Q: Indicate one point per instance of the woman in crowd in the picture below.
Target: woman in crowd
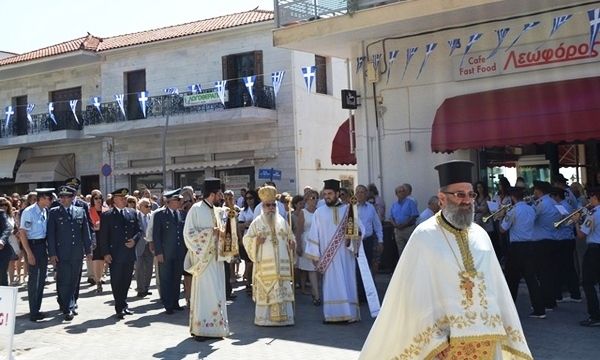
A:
(7, 225)
(377, 201)
(132, 202)
(305, 217)
(16, 265)
(97, 207)
(245, 218)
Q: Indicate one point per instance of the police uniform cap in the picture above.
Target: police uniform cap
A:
(120, 192)
(173, 194)
(44, 191)
(331, 184)
(455, 171)
(73, 182)
(66, 191)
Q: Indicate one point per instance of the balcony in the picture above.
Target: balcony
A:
(185, 111)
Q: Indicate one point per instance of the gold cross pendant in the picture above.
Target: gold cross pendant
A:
(466, 284)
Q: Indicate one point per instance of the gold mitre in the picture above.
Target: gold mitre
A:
(267, 193)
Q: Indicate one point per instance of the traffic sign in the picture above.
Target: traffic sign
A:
(269, 174)
(106, 170)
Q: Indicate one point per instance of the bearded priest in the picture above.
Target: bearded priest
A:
(269, 243)
(448, 298)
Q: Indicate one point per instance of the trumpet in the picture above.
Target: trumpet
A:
(568, 220)
(506, 208)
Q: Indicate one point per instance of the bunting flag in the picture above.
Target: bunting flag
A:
(454, 44)
(359, 63)
(220, 86)
(428, 50)
(594, 16)
(501, 34)
(410, 52)
(95, 100)
(376, 61)
(143, 99)
(277, 79)
(308, 73)
(51, 112)
(119, 98)
(9, 112)
(525, 29)
(171, 91)
(195, 88)
(249, 81)
(30, 108)
(556, 24)
(472, 40)
(73, 104)
(393, 56)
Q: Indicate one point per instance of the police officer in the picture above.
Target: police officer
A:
(590, 230)
(521, 251)
(119, 233)
(170, 249)
(32, 232)
(68, 241)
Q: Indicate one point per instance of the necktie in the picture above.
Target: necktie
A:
(69, 213)
(175, 216)
(43, 215)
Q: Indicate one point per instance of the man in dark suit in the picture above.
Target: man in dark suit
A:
(119, 233)
(68, 236)
(169, 249)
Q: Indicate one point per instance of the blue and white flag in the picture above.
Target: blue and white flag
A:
(393, 56)
(249, 81)
(359, 63)
(30, 108)
(525, 29)
(594, 16)
(143, 100)
(472, 40)
(454, 44)
(51, 112)
(220, 86)
(501, 34)
(309, 73)
(428, 50)
(277, 79)
(73, 104)
(172, 91)
(119, 98)
(558, 22)
(195, 88)
(95, 100)
(9, 112)
(410, 52)
(376, 61)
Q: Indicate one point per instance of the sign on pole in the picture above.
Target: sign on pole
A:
(270, 174)
(8, 309)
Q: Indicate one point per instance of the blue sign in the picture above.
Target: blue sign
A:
(276, 174)
(106, 170)
(269, 174)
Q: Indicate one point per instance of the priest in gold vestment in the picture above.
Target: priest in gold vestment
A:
(269, 241)
(448, 298)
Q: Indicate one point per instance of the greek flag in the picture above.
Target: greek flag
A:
(119, 98)
(594, 16)
(558, 22)
(376, 61)
(308, 73)
(30, 108)
(195, 88)
(9, 112)
(73, 104)
(501, 34)
(220, 86)
(172, 91)
(526, 28)
(472, 40)
(454, 44)
(95, 100)
(410, 52)
(249, 81)
(393, 56)
(51, 112)
(428, 50)
(359, 63)
(277, 79)
(143, 99)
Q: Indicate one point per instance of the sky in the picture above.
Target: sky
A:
(33, 24)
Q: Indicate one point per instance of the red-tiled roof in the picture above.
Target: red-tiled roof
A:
(96, 44)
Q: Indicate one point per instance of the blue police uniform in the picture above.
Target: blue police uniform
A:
(7, 251)
(116, 227)
(521, 251)
(567, 275)
(167, 235)
(34, 220)
(68, 239)
(591, 262)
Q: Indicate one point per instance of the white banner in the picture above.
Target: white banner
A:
(8, 309)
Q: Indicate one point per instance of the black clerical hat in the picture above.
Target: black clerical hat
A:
(211, 185)
(455, 171)
(331, 184)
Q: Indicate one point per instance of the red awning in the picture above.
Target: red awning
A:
(342, 148)
(563, 111)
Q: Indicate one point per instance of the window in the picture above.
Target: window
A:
(135, 82)
(194, 179)
(235, 179)
(152, 182)
(20, 114)
(321, 75)
(235, 67)
(62, 109)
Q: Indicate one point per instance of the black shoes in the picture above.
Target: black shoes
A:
(178, 308)
(37, 317)
(169, 311)
(127, 312)
(69, 316)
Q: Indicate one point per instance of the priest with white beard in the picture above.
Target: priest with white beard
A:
(202, 230)
(448, 298)
(269, 243)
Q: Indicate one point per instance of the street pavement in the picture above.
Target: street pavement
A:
(150, 333)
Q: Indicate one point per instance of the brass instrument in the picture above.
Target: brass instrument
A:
(568, 220)
(506, 208)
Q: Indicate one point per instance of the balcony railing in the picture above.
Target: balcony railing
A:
(295, 11)
(157, 106)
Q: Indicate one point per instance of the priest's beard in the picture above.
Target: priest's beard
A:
(460, 216)
(270, 220)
